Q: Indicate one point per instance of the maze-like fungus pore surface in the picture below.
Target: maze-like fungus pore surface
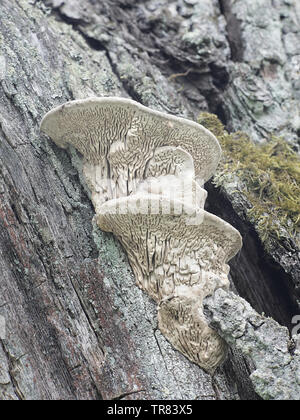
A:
(118, 137)
(178, 264)
(145, 170)
(170, 173)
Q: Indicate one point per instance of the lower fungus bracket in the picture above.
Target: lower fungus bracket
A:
(178, 264)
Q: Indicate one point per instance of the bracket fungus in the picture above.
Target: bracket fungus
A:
(118, 136)
(146, 170)
(178, 263)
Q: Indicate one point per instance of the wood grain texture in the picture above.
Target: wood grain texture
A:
(77, 326)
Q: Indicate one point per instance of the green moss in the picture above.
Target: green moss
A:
(268, 174)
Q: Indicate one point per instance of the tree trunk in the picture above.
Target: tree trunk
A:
(76, 325)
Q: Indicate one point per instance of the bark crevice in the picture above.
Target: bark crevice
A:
(234, 32)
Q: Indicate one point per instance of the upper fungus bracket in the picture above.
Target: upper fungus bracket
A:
(127, 133)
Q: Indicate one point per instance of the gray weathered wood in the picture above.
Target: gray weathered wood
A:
(77, 327)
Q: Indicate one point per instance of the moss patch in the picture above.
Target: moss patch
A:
(268, 174)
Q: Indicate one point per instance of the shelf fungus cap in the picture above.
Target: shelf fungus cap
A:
(177, 263)
(166, 248)
(127, 133)
(129, 216)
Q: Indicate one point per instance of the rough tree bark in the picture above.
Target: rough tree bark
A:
(77, 327)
